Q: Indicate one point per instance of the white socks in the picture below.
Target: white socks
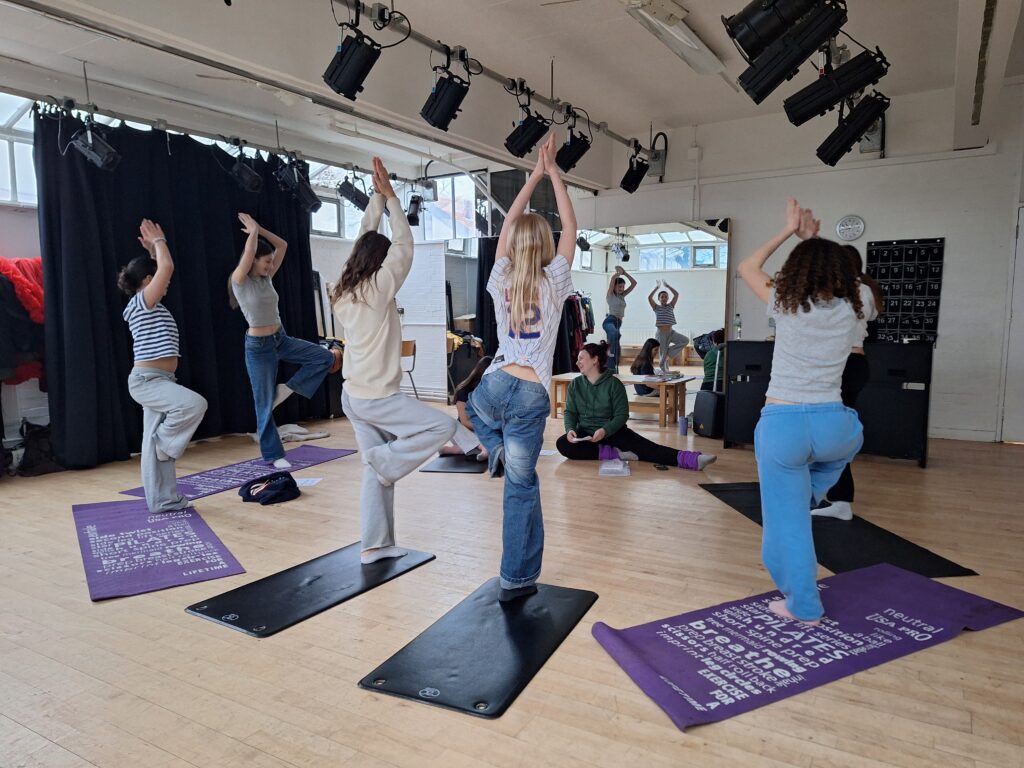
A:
(381, 553)
(282, 394)
(282, 464)
(840, 510)
(704, 459)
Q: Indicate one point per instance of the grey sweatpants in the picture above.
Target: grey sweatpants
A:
(671, 343)
(170, 415)
(395, 435)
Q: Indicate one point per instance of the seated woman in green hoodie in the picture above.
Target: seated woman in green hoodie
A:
(596, 411)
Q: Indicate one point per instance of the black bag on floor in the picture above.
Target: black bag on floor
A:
(38, 457)
(271, 489)
(709, 407)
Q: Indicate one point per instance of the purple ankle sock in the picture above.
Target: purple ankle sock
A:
(607, 452)
(687, 459)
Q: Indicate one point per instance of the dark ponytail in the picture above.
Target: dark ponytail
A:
(130, 278)
(600, 351)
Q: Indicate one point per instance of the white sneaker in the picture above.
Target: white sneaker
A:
(840, 510)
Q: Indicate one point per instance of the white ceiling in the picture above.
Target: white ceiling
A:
(604, 61)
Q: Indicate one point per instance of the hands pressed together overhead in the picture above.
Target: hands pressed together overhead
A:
(546, 158)
(801, 221)
(381, 179)
(149, 233)
(249, 225)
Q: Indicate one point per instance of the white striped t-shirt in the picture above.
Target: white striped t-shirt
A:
(533, 345)
(153, 330)
(664, 314)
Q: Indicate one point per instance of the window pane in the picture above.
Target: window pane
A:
(723, 256)
(9, 105)
(677, 257)
(704, 256)
(465, 207)
(325, 221)
(352, 219)
(585, 259)
(698, 235)
(652, 258)
(649, 239)
(5, 171)
(25, 173)
(437, 217)
(25, 123)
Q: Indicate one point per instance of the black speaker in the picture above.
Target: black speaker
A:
(748, 367)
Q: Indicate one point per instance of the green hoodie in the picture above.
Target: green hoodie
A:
(590, 407)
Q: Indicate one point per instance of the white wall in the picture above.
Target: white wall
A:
(968, 197)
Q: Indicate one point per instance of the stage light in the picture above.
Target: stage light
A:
(91, 144)
(762, 22)
(620, 250)
(445, 99)
(582, 243)
(246, 176)
(638, 168)
(826, 92)
(351, 64)
(852, 128)
(357, 197)
(525, 136)
(571, 151)
(292, 177)
(413, 214)
(781, 60)
(664, 19)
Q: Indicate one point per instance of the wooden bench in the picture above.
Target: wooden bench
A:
(671, 400)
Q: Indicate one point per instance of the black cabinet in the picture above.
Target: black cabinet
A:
(893, 406)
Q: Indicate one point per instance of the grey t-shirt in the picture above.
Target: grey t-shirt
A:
(811, 350)
(616, 305)
(258, 300)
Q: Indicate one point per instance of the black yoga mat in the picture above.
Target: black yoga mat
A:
(467, 465)
(481, 654)
(278, 601)
(846, 545)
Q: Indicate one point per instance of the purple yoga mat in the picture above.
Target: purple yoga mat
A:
(126, 550)
(708, 665)
(212, 481)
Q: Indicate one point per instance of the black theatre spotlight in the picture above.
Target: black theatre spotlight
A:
(638, 168)
(445, 99)
(352, 62)
(582, 243)
(525, 136)
(826, 92)
(357, 197)
(762, 22)
(292, 176)
(571, 151)
(781, 60)
(246, 176)
(413, 214)
(852, 128)
(620, 250)
(89, 142)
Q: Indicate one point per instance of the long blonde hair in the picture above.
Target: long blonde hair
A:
(531, 247)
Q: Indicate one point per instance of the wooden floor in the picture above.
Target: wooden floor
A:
(137, 682)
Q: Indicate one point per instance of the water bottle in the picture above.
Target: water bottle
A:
(684, 425)
(737, 326)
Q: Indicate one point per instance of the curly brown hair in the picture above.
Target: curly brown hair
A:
(817, 270)
(876, 290)
(368, 254)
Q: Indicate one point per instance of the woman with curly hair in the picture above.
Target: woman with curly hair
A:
(805, 436)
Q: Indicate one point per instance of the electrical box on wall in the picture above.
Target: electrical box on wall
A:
(656, 160)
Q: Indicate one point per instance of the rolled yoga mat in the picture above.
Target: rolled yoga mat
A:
(479, 656)
(845, 545)
(211, 481)
(464, 465)
(276, 602)
(127, 550)
(713, 663)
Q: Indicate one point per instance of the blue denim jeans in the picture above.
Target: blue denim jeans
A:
(262, 355)
(611, 326)
(801, 450)
(509, 416)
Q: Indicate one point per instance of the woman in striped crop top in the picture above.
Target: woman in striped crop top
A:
(670, 341)
(170, 412)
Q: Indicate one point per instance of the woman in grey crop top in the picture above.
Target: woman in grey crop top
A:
(251, 288)
(671, 342)
(617, 292)
(805, 435)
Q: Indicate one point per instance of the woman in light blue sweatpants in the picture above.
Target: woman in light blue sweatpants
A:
(805, 435)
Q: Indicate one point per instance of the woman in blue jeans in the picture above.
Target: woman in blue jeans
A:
(805, 435)
(509, 408)
(251, 288)
(618, 290)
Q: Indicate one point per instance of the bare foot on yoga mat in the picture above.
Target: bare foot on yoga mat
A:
(778, 607)
(368, 556)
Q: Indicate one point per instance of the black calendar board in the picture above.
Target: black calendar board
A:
(910, 274)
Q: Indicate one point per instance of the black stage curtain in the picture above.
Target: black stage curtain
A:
(88, 223)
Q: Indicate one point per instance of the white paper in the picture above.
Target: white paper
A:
(302, 482)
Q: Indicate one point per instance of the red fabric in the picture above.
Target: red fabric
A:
(32, 369)
(26, 275)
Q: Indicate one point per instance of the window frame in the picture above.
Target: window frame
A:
(13, 136)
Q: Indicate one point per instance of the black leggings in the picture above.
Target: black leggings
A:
(625, 440)
(855, 376)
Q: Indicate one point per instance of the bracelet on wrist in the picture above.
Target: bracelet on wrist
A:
(159, 240)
